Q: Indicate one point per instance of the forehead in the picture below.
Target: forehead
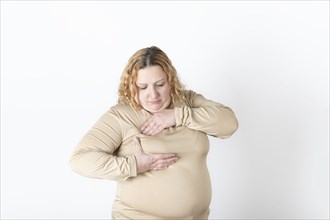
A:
(150, 74)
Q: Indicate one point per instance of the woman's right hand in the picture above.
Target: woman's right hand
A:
(146, 161)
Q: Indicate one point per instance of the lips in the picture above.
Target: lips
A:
(155, 102)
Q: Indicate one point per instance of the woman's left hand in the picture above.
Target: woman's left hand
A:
(158, 122)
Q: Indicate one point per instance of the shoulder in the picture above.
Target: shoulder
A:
(125, 113)
(120, 110)
(123, 108)
(191, 98)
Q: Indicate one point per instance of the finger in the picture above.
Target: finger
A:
(136, 140)
(169, 161)
(160, 168)
(144, 126)
(147, 123)
(137, 144)
(163, 156)
(152, 121)
(148, 131)
(164, 164)
(150, 128)
(156, 131)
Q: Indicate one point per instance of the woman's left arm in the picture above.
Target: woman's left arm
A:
(199, 114)
(207, 116)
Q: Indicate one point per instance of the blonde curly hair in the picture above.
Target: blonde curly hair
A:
(143, 58)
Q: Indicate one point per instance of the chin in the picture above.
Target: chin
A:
(154, 110)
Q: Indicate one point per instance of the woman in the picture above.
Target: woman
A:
(154, 143)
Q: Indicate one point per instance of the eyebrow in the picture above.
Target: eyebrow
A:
(147, 83)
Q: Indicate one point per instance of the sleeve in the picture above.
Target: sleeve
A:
(95, 157)
(207, 116)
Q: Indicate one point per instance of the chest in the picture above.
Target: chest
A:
(179, 140)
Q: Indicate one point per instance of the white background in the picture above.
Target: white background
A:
(269, 61)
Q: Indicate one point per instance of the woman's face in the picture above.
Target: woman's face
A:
(154, 91)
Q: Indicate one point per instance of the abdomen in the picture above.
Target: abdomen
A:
(181, 191)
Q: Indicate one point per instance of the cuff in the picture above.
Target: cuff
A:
(132, 167)
(177, 115)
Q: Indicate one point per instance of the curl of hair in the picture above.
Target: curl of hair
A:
(143, 58)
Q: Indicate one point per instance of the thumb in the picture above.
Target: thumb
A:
(138, 147)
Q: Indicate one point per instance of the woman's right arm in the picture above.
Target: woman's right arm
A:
(94, 155)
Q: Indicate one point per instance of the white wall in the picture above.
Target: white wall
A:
(269, 61)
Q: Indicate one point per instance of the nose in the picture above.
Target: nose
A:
(153, 93)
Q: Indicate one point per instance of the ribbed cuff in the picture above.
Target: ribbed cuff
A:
(132, 166)
(177, 115)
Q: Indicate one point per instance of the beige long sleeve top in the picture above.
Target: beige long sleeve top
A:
(182, 191)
